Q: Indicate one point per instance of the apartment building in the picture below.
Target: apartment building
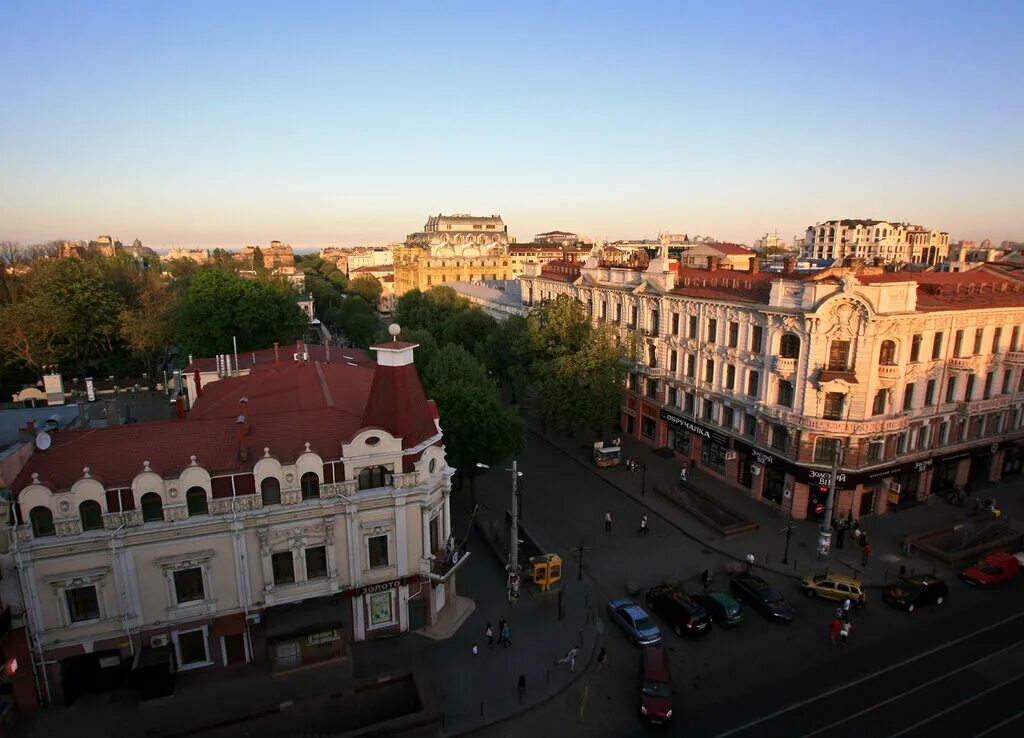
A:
(296, 509)
(876, 241)
(914, 382)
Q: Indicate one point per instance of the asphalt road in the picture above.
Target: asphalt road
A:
(950, 670)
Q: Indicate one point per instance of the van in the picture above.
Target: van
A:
(655, 685)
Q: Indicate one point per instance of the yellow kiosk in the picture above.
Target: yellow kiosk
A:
(547, 570)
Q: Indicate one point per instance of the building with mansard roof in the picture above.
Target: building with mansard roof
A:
(876, 240)
(913, 381)
(301, 505)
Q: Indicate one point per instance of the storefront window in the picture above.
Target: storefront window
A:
(681, 442)
(381, 609)
(648, 427)
(713, 457)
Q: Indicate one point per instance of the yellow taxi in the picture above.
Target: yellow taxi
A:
(834, 587)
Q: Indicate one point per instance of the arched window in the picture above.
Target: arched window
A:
(42, 521)
(270, 490)
(310, 486)
(887, 354)
(195, 498)
(152, 508)
(789, 346)
(91, 514)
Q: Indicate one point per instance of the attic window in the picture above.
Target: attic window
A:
(372, 440)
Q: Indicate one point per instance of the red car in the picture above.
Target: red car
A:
(995, 568)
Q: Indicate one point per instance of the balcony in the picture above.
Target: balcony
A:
(960, 364)
(982, 406)
(650, 332)
(890, 371)
(840, 427)
(1014, 357)
(785, 367)
(654, 372)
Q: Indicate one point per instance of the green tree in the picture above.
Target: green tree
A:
(476, 427)
(257, 260)
(427, 349)
(366, 287)
(356, 321)
(507, 353)
(148, 327)
(220, 304)
(69, 315)
(468, 328)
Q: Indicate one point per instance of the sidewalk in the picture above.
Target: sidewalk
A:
(768, 544)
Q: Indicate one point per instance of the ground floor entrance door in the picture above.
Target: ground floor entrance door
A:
(234, 649)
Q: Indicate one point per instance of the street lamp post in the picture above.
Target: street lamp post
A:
(643, 480)
(825, 530)
(789, 534)
(513, 548)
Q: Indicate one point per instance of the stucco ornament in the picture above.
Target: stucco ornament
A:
(847, 318)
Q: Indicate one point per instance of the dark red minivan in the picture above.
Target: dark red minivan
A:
(655, 685)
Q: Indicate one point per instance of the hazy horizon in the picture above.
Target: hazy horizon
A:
(197, 125)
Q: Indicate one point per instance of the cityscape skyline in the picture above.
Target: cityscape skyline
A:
(209, 127)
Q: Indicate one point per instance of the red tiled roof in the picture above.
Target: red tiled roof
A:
(726, 284)
(978, 288)
(561, 271)
(732, 249)
(266, 356)
(287, 406)
(374, 268)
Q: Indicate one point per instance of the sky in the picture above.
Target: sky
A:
(331, 123)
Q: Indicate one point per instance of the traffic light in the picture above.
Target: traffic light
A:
(823, 488)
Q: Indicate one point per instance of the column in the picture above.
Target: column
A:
(447, 516)
(401, 537)
(332, 553)
(425, 515)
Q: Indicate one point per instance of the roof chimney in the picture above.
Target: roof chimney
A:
(179, 406)
(755, 266)
(199, 384)
(788, 265)
(712, 264)
(243, 451)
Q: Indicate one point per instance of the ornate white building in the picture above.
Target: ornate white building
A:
(876, 240)
(296, 509)
(916, 378)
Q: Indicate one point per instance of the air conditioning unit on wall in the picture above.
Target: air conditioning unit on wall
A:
(755, 470)
(159, 641)
(253, 618)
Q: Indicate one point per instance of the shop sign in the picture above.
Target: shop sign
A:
(379, 586)
(714, 436)
(910, 467)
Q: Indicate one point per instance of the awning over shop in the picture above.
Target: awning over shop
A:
(304, 618)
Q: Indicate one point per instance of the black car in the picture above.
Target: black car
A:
(909, 592)
(762, 597)
(679, 610)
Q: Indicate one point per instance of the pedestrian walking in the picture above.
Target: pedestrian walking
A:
(847, 603)
(750, 562)
(644, 529)
(840, 533)
(844, 631)
(602, 660)
(682, 472)
(833, 630)
(501, 631)
(608, 522)
(705, 579)
(475, 650)
(569, 658)
(522, 687)
(489, 632)
(506, 636)
(865, 553)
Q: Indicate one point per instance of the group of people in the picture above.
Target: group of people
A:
(504, 635)
(857, 534)
(840, 627)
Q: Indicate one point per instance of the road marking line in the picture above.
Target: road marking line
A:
(901, 695)
(997, 726)
(980, 694)
(866, 677)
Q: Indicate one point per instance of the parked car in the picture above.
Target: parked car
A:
(909, 592)
(679, 609)
(762, 596)
(995, 568)
(632, 618)
(655, 685)
(834, 587)
(722, 608)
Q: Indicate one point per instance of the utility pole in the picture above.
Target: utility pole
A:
(825, 530)
(580, 549)
(789, 534)
(643, 480)
(513, 547)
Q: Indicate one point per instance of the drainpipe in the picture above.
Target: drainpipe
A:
(32, 637)
(121, 593)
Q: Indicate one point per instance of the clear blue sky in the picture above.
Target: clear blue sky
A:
(217, 123)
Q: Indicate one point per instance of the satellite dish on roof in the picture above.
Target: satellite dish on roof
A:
(43, 440)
